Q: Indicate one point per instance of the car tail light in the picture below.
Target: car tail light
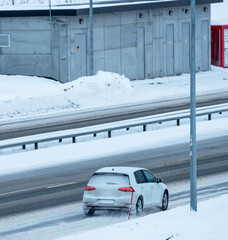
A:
(89, 188)
(126, 189)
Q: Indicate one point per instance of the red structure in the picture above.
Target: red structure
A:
(219, 45)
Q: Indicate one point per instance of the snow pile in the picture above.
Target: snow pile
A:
(103, 88)
(209, 223)
(26, 96)
(23, 96)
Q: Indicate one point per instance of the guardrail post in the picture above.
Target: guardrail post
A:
(144, 128)
(209, 117)
(94, 135)
(127, 129)
(23, 146)
(178, 122)
(73, 139)
(109, 134)
(60, 140)
(36, 145)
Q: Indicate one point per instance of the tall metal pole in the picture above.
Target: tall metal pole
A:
(90, 37)
(51, 29)
(49, 10)
(193, 168)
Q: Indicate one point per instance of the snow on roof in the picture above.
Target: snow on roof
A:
(100, 6)
(125, 170)
(219, 13)
(77, 5)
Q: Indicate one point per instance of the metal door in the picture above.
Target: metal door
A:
(204, 46)
(185, 47)
(225, 47)
(80, 55)
(140, 54)
(215, 47)
(169, 49)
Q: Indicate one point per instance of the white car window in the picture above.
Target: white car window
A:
(139, 177)
(109, 178)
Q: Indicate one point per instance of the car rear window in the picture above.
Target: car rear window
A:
(110, 178)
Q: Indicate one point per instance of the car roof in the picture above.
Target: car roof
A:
(125, 170)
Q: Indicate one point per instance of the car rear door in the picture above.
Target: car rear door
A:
(154, 188)
(143, 187)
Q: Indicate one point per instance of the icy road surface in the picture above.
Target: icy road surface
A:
(53, 223)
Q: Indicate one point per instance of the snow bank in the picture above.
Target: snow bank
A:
(26, 96)
(22, 96)
(209, 223)
(16, 87)
(99, 90)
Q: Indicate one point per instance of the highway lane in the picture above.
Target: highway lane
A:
(52, 223)
(63, 184)
(76, 119)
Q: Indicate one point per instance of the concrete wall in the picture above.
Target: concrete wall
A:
(50, 50)
(30, 46)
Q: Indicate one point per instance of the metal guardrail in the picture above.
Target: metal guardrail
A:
(109, 127)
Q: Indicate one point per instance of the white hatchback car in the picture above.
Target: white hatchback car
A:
(122, 188)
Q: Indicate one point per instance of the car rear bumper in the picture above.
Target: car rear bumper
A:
(96, 206)
(102, 208)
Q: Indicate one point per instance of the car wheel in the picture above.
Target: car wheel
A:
(165, 201)
(90, 212)
(139, 206)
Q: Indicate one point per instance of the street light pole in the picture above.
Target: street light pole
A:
(90, 37)
(193, 166)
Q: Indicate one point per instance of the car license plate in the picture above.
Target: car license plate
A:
(106, 202)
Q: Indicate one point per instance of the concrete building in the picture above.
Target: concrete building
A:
(140, 40)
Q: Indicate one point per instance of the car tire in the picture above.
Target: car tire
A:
(139, 206)
(90, 212)
(165, 201)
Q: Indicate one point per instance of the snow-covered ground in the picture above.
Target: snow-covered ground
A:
(209, 223)
(173, 223)
(60, 221)
(22, 96)
(31, 96)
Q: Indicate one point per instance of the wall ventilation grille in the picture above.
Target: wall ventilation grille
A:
(4, 40)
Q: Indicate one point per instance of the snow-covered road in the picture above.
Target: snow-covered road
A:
(29, 101)
(60, 221)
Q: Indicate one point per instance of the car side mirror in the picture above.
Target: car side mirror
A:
(159, 180)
